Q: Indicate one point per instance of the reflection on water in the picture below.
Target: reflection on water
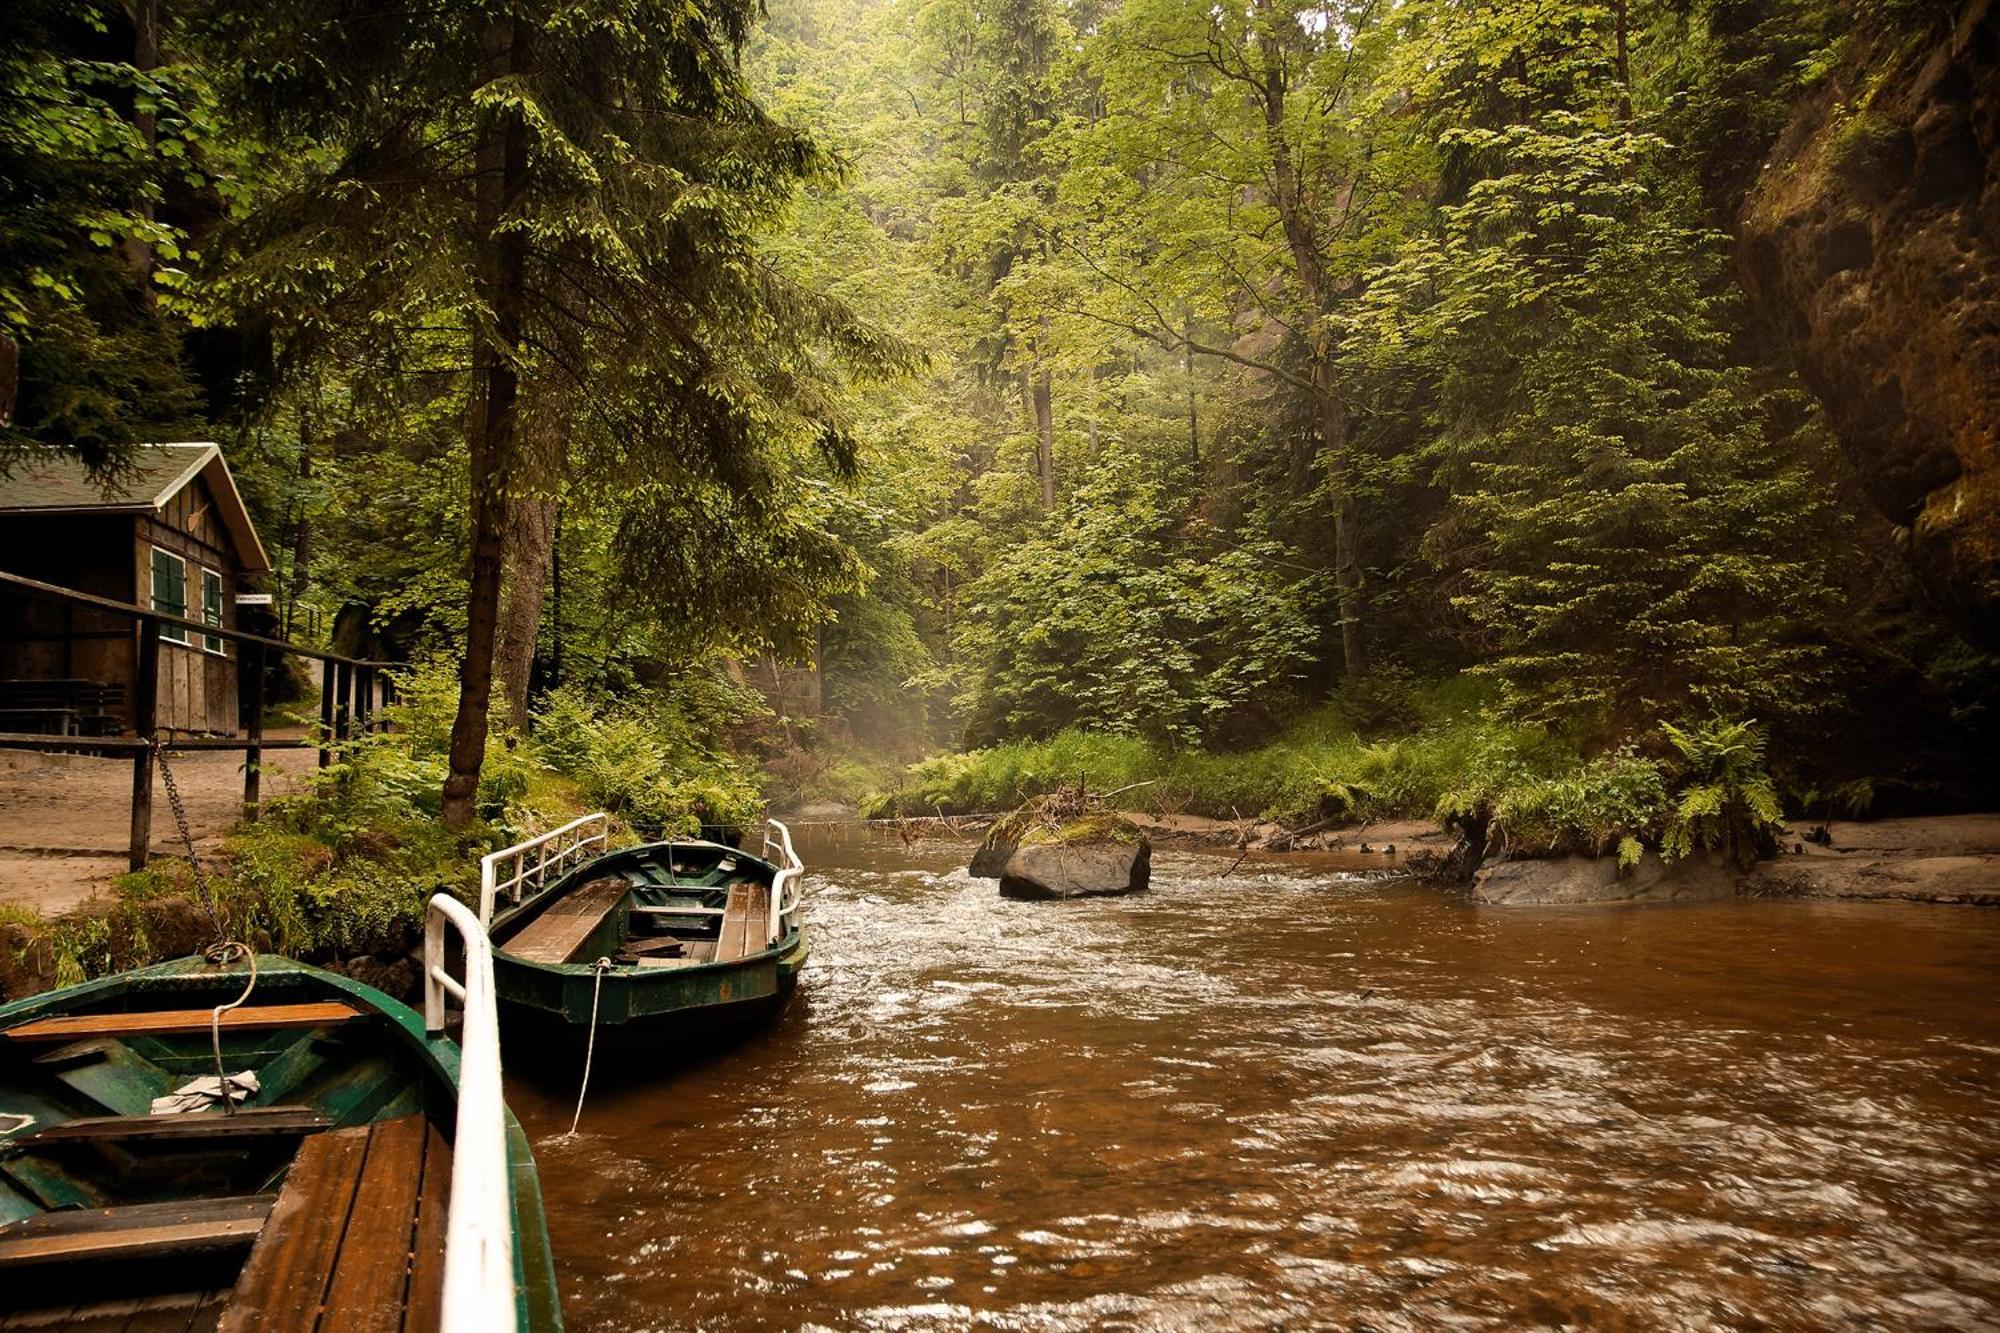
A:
(1294, 1097)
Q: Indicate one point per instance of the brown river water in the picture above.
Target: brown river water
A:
(1294, 1097)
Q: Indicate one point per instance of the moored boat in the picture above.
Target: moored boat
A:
(255, 1143)
(661, 944)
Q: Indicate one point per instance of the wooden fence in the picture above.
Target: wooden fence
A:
(346, 705)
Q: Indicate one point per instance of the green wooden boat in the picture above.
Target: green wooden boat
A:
(668, 943)
(361, 1169)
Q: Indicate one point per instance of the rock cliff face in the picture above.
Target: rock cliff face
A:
(1870, 241)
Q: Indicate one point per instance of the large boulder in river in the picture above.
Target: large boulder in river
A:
(1095, 856)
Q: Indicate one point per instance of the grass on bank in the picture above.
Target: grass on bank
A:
(1441, 756)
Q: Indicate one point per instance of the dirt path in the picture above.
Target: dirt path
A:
(65, 819)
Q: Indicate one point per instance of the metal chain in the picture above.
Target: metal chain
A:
(180, 813)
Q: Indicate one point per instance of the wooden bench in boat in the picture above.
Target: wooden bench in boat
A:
(135, 1231)
(746, 923)
(206, 1126)
(355, 1240)
(567, 922)
(151, 1022)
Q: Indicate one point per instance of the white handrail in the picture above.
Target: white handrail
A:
(479, 1229)
(785, 885)
(559, 849)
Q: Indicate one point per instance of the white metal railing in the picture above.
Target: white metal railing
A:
(787, 885)
(558, 850)
(479, 1229)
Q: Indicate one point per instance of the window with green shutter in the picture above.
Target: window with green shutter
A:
(211, 609)
(170, 591)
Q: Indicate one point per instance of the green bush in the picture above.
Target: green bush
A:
(657, 761)
(1726, 799)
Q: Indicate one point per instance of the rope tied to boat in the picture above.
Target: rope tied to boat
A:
(222, 955)
(602, 965)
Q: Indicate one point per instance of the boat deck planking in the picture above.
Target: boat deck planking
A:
(353, 1241)
(567, 922)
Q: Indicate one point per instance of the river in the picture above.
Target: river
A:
(1296, 1097)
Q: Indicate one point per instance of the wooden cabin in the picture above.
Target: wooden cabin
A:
(171, 535)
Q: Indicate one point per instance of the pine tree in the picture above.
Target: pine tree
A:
(577, 190)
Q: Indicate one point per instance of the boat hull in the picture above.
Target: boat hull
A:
(547, 1008)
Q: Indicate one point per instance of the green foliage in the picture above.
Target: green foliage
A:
(1318, 768)
(1125, 617)
(656, 761)
(1614, 803)
(1727, 799)
(87, 266)
(1640, 516)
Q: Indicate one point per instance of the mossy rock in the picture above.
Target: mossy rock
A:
(1001, 841)
(1104, 826)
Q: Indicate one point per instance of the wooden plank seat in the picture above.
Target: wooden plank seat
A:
(135, 1231)
(355, 1240)
(746, 923)
(76, 1027)
(567, 922)
(200, 1127)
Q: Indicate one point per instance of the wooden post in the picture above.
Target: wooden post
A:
(325, 712)
(364, 700)
(145, 722)
(343, 703)
(250, 681)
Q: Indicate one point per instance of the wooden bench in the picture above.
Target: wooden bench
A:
(355, 1241)
(567, 922)
(746, 923)
(203, 1127)
(135, 1231)
(152, 1022)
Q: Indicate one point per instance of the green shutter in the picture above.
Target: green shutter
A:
(170, 591)
(211, 607)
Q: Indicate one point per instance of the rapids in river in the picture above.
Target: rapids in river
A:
(1293, 1097)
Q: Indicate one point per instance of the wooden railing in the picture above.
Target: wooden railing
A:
(347, 702)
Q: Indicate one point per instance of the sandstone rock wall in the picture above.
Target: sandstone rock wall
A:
(1870, 242)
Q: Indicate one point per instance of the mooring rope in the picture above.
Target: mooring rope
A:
(221, 955)
(590, 1046)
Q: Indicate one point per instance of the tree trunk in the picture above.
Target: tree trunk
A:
(1296, 218)
(1624, 63)
(145, 17)
(501, 161)
(1045, 440)
(302, 534)
(1346, 546)
(530, 531)
(1187, 375)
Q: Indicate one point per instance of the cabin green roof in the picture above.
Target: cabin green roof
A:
(56, 482)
